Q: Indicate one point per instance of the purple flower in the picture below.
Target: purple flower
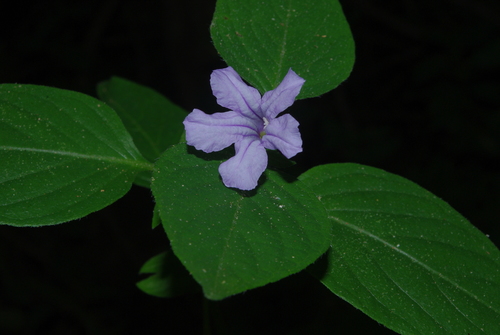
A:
(251, 124)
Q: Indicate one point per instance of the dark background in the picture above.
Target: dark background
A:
(423, 102)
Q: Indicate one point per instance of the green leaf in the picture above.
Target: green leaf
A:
(231, 240)
(404, 256)
(156, 220)
(63, 155)
(261, 40)
(154, 122)
(169, 279)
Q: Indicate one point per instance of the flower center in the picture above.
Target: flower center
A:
(266, 122)
(263, 131)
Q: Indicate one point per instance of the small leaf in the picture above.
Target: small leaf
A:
(261, 40)
(154, 122)
(156, 221)
(169, 279)
(63, 155)
(230, 240)
(404, 256)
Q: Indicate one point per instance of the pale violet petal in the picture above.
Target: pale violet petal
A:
(283, 134)
(283, 96)
(245, 168)
(232, 92)
(216, 131)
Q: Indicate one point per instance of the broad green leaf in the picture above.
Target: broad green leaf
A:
(154, 122)
(261, 40)
(229, 240)
(169, 277)
(63, 155)
(404, 256)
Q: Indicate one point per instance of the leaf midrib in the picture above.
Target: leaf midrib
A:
(283, 43)
(135, 164)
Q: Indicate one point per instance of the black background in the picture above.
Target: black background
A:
(423, 102)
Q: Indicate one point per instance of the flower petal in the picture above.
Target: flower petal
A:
(283, 96)
(244, 169)
(216, 131)
(231, 92)
(283, 134)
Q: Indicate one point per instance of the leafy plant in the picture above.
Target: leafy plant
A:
(382, 243)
